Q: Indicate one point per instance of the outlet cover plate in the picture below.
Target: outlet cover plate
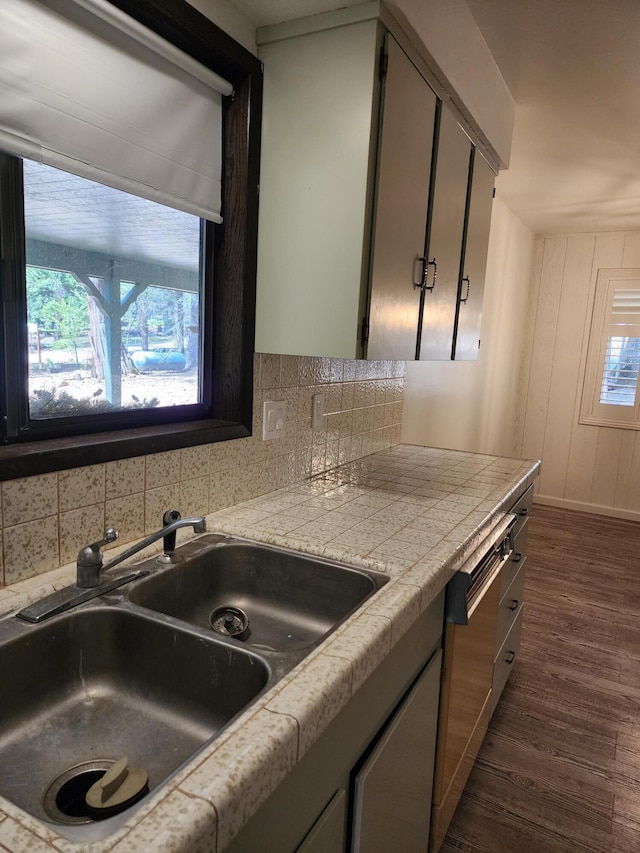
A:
(274, 415)
(317, 411)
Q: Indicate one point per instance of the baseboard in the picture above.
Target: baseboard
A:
(594, 509)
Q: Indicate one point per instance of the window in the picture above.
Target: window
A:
(113, 295)
(127, 317)
(610, 392)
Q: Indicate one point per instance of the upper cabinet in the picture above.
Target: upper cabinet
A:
(474, 259)
(401, 207)
(445, 230)
(457, 243)
(364, 196)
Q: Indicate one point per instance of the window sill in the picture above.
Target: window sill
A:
(608, 422)
(41, 457)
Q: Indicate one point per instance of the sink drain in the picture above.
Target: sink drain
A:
(64, 799)
(230, 621)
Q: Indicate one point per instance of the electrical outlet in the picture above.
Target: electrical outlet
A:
(317, 411)
(274, 415)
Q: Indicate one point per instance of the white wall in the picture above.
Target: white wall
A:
(476, 406)
(230, 19)
(583, 467)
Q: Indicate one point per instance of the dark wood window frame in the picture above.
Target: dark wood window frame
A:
(230, 331)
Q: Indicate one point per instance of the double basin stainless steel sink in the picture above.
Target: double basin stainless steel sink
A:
(140, 671)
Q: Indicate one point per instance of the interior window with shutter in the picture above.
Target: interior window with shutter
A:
(610, 391)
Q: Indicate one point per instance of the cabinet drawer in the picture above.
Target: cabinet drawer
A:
(504, 661)
(516, 560)
(510, 606)
(522, 508)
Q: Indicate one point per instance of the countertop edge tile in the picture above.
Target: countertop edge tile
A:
(364, 641)
(238, 777)
(401, 604)
(41, 830)
(16, 837)
(179, 819)
(315, 697)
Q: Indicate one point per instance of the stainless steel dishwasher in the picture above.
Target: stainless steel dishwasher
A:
(471, 613)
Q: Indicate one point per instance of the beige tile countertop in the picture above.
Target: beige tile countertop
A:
(415, 513)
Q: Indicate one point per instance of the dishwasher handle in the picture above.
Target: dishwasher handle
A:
(467, 587)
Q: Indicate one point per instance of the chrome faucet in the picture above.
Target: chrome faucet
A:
(90, 565)
(90, 568)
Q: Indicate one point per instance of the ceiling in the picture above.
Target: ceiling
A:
(64, 210)
(573, 67)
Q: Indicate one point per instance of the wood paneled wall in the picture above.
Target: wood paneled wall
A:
(583, 467)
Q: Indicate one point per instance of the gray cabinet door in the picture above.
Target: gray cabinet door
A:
(475, 260)
(402, 197)
(328, 834)
(392, 806)
(445, 231)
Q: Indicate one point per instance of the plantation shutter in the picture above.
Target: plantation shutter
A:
(610, 390)
(621, 341)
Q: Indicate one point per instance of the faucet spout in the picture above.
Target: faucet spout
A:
(90, 566)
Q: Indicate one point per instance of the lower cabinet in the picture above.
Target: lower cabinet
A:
(512, 577)
(504, 660)
(394, 786)
(390, 793)
(366, 784)
(329, 832)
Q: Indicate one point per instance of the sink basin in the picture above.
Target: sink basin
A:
(292, 601)
(105, 682)
(120, 676)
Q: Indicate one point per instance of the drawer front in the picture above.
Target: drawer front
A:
(522, 508)
(505, 659)
(515, 561)
(510, 606)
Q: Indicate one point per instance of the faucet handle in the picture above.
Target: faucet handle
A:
(110, 535)
(169, 516)
(91, 555)
(169, 541)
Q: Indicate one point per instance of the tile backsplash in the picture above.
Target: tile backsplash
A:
(46, 519)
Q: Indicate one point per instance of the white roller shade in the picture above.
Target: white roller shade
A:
(86, 89)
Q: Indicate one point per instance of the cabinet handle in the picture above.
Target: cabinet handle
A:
(516, 557)
(511, 656)
(466, 278)
(424, 276)
(513, 604)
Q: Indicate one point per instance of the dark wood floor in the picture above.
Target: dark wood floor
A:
(559, 771)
